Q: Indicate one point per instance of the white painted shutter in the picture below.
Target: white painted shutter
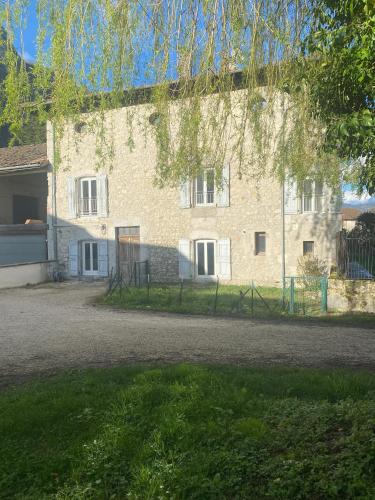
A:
(335, 202)
(73, 258)
(223, 194)
(223, 259)
(185, 201)
(290, 197)
(184, 260)
(101, 181)
(72, 197)
(103, 258)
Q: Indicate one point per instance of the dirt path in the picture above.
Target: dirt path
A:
(54, 327)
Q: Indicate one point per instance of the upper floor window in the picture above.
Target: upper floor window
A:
(88, 200)
(205, 188)
(312, 196)
(87, 196)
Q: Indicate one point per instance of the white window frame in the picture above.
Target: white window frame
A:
(205, 276)
(92, 210)
(314, 198)
(91, 271)
(208, 197)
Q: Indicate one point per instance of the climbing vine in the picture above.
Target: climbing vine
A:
(183, 59)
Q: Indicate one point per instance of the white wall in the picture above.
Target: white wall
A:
(24, 274)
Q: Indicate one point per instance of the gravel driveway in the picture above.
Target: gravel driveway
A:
(55, 326)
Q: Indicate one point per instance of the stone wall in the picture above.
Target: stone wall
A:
(351, 295)
(135, 200)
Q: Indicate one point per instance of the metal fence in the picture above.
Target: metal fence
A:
(305, 295)
(136, 275)
(356, 257)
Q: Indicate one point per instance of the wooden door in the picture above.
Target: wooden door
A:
(128, 251)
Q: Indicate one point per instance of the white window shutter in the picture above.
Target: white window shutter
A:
(184, 260)
(185, 197)
(290, 197)
(223, 194)
(73, 258)
(335, 202)
(223, 259)
(103, 258)
(72, 197)
(102, 190)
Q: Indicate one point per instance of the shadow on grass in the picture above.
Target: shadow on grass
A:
(188, 431)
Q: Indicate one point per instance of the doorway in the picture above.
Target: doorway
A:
(128, 251)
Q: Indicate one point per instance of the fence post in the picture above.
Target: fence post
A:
(217, 290)
(181, 288)
(291, 302)
(252, 298)
(148, 287)
(324, 291)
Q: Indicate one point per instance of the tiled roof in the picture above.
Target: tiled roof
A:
(23, 156)
(350, 213)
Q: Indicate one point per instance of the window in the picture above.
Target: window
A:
(308, 248)
(88, 202)
(205, 188)
(260, 243)
(205, 258)
(312, 196)
(318, 197)
(90, 264)
(307, 196)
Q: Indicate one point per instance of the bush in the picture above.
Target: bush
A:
(311, 266)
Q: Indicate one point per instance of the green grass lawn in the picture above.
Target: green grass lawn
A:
(200, 299)
(186, 431)
(197, 299)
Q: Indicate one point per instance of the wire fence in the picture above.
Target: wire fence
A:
(307, 295)
(356, 257)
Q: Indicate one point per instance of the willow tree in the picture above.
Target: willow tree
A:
(93, 55)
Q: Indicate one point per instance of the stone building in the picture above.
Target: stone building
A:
(110, 218)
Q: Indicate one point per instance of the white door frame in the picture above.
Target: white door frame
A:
(91, 271)
(204, 277)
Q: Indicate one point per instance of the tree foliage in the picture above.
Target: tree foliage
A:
(93, 54)
(341, 74)
(364, 227)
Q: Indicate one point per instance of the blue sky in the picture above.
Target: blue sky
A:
(29, 53)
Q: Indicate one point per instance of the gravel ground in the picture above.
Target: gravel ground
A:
(56, 326)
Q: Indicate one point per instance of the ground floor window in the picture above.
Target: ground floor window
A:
(205, 258)
(260, 243)
(90, 264)
(308, 248)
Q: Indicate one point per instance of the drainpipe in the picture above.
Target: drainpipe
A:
(54, 205)
(283, 238)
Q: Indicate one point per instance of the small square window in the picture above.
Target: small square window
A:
(260, 243)
(308, 248)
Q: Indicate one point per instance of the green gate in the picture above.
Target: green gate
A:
(305, 295)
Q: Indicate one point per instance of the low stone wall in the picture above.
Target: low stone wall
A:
(30, 273)
(351, 295)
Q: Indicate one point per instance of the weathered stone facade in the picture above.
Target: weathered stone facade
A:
(134, 200)
(351, 295)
